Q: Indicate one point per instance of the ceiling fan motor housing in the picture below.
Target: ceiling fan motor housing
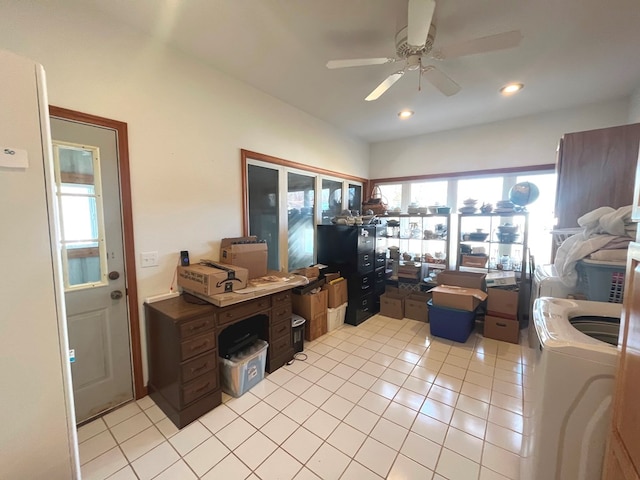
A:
(404, 50)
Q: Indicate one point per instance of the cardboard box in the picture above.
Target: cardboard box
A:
(415, 306)
(313, 308)
(309, 272)
(337, 291)
(501, 328)
(392, 304)
(499, 279)
(451, 323)
(477, 261)
(503, 302)
(245, 252)
(457, 297)
(463, 279)
(209, 281)
(409, 271)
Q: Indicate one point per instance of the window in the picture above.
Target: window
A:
(285, 201)
(485, 189)
(79, 194)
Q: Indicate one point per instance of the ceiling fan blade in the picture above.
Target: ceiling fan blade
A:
(440, 80)
(500, 41)
(358, 62)
(419, 21)
(384, 86)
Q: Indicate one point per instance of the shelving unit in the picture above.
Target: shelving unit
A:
(426, 238)
(505, 251)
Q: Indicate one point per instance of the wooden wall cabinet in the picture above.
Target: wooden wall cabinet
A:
(595, 169)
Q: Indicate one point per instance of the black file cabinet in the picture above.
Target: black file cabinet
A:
(352, 251)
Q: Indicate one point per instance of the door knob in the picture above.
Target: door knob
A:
(116, 294)
(114, 275)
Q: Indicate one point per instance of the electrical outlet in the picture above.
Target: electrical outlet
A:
(149, 259)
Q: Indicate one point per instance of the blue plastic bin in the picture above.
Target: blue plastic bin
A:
(451, 323)
(601, 281)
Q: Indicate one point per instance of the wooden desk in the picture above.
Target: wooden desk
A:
(182, 346)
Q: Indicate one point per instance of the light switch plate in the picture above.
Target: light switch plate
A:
(148, 259)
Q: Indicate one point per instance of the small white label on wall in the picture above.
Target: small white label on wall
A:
(72, 355)
(13, 158)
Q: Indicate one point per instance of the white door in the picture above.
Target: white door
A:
(88, 192)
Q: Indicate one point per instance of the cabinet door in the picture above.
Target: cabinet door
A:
(622, 458)
(593, 171)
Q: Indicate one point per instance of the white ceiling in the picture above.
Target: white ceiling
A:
(573, 52)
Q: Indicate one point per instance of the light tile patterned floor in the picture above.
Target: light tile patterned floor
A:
(381, 400)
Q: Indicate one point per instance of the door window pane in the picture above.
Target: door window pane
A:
(79, 195)
(300, 213)
(264, 204)
(355, 199)
(331, 199)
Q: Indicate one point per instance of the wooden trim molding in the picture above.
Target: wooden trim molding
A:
(127, 223)
(474, 173)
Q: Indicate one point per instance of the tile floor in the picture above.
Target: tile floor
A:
(381, 400)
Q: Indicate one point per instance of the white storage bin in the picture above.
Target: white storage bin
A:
(244, 369)
(335, 317)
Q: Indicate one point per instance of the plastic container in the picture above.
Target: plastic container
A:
(297, 331)
(451, 323)
(335, 317)
(601, 281)
(244, 369)
(561, 234)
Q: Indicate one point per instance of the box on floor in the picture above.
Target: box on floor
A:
(313, 308)
(336, 287)
(392, 302)
(415, 306)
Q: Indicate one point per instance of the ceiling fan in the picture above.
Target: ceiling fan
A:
(414, 44)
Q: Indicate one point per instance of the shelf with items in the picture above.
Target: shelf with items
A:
(420, 238)
(490, 242)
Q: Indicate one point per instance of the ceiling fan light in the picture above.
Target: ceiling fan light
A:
(405, 114)
(511, 88)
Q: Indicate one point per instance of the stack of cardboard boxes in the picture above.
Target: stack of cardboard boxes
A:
(501, 320)
(400, 303)
(454, 304)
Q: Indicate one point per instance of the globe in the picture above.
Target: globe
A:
(523, 193)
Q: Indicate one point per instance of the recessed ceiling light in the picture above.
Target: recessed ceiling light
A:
(511, 88)
(405, 114)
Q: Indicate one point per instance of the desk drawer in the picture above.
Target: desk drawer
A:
(281, 298)
(280, 345)
(197, 326)
(280, 313)
(199, 366)
(281, 329)
(198, 388)
(243, 310)
(195, 346)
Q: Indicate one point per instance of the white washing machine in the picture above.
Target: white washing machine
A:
(546, 283)
(572, 388)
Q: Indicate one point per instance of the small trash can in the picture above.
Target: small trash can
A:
(297, 330)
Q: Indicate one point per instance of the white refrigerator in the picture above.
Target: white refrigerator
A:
(38, 437)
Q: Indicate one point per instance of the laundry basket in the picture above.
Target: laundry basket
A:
(601, 281)
(561, 234)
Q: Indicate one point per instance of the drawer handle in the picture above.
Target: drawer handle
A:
(282, 329)
(365, 287)
(201, 367)
(499, 324)
(203, 387)
(262, 304)
(199, 346)
(229, 314)
(198, 327)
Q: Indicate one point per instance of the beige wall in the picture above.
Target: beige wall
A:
(524, 141)
(187, 124)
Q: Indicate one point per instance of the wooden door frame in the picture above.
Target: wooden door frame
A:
(139, 389)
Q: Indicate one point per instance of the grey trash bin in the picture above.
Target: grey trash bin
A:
(297, 330)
